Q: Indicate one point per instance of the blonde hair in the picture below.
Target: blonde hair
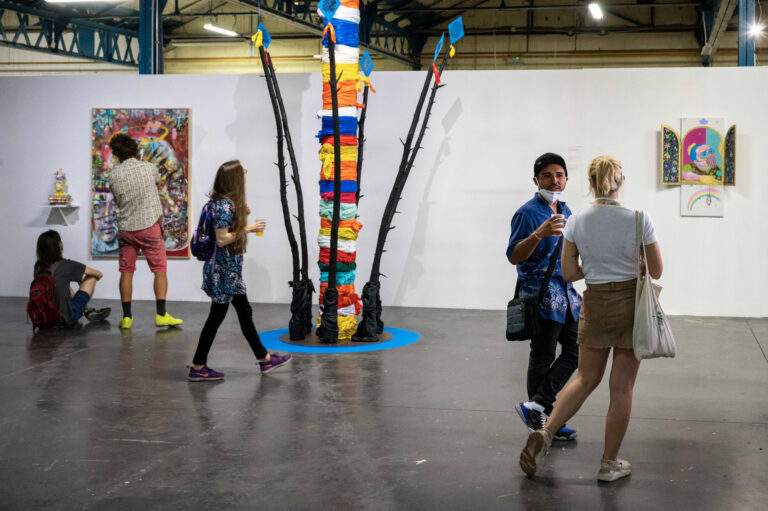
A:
(605, 176)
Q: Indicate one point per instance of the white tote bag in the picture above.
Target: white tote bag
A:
(651, 335)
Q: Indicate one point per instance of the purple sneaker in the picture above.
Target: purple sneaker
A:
(204, 374)
(275, 361)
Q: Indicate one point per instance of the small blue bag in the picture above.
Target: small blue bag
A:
(204, 238)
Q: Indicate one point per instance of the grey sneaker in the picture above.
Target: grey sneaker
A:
(534, 451)
(93, 315)
(612, 470)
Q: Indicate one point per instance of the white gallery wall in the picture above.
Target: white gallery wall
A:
(475, 169)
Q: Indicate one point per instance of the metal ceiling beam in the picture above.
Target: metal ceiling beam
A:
(383, 37)
(629, 20)
(713, 33)
(407, 10)
(89, 40)
(616, 29)
(454, 11)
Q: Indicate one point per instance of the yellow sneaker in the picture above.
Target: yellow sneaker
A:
(167, 320)
(126, 323)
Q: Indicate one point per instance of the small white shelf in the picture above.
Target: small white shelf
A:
(63, 212)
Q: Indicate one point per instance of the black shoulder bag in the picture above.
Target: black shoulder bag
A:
(523, 317)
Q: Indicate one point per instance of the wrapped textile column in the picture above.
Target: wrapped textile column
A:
(341, 18)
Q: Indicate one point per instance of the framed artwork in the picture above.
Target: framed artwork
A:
(163, 138)
(701, 200)
(701, 162)
(704, 155)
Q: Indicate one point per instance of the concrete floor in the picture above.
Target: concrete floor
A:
(101, 419)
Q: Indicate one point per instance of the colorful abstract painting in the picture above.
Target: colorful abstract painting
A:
(701, 200)
(702, 151)
(163, 139)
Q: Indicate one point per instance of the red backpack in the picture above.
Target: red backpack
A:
(41, 307)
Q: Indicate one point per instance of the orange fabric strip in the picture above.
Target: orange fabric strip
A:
(347, 95)
(343, 140)
(329, 28)
(343, 224)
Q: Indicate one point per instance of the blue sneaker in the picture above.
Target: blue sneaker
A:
(532, 418)
(565, 433)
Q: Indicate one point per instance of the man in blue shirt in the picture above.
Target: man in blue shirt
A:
(536, 229)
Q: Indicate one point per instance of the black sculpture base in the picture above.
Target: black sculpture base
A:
(312, 340)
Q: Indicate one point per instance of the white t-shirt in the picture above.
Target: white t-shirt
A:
(607, 242)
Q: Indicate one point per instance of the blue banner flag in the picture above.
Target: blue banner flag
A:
(456, 29)
(329, 8)
(265, 37)
(366, 64)
(439, 47)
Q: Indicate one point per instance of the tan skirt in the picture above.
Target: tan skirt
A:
(608, 315)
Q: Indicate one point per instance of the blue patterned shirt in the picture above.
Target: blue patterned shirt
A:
(223, 277)
(530, 273)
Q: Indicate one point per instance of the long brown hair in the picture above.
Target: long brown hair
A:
(230, 184)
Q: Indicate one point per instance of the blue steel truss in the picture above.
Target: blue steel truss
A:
(41, 30)
(110, 43)
(746, 40)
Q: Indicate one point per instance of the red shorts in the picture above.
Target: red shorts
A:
(149, 241)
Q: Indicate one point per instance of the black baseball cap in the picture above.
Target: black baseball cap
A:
(547, 159)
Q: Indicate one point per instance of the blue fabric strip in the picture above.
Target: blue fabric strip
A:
(347, 33)
(343, 278)
(346, 186)
(347, 126)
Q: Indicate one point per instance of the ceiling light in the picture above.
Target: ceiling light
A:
(755, 30)
(214, 28)
(595, 10)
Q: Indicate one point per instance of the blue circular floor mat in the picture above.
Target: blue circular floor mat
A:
(271, 341)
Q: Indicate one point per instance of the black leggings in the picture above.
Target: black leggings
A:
(215, 318)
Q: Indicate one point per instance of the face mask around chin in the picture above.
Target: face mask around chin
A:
(550, 196)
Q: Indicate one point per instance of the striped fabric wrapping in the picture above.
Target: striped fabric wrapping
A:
(346, 55)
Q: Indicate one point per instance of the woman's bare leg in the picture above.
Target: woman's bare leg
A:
(592, 362)
(622, 381)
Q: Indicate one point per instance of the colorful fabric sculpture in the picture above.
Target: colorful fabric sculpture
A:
(338, 172)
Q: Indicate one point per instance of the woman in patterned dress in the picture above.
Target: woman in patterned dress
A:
(223, 275)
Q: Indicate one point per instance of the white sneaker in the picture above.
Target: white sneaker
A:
(613, 470)
(536, 447)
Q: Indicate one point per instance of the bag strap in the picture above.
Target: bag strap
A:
(550, 269)
(43, 270)
(641, 247)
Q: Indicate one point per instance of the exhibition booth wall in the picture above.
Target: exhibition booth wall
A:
(474, 171)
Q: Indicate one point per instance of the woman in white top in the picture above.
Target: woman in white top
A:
(604, 236)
